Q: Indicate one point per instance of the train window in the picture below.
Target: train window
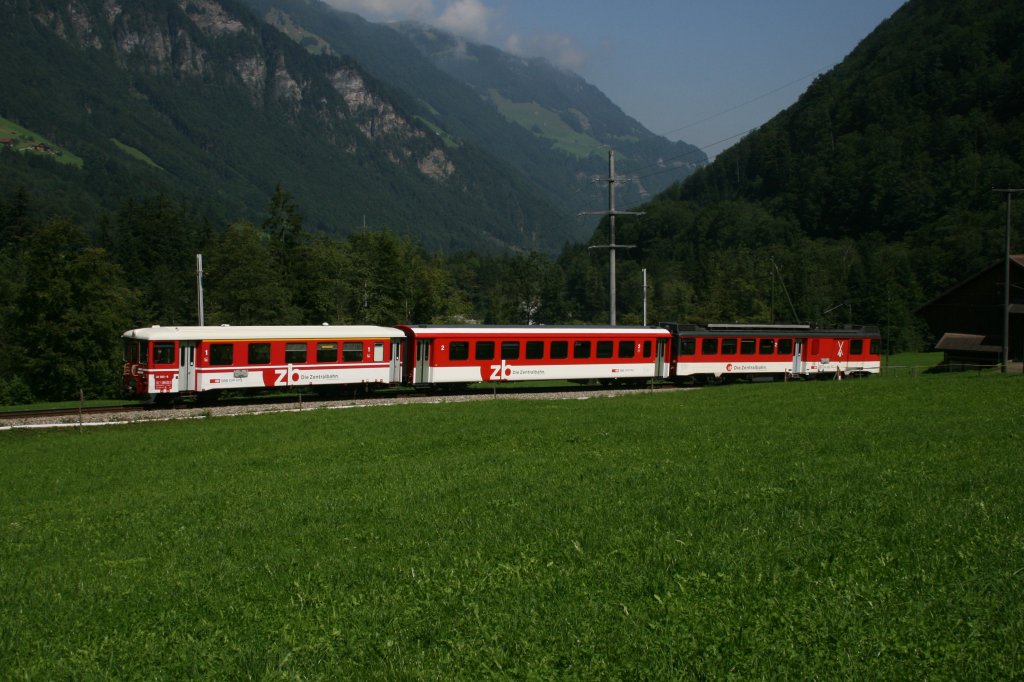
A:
(728, 346)
(259, 353)
(559, 350)
(605, 349)
(876, 347)
(747, 346)
(647, 349)
(534, 350)
(509, 350)
(686, 346)
(327, 352)
(709, 346)
(221, 353)
(766, 346)
(856, 346)
(627, 349)
(484, 350)
(581, 349)
(294, 353)
(143, 353)
(352, 351)
(163, 353)
(458, 350)
(785, 346)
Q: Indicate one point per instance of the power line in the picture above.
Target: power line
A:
(703, 148)
(749, 101)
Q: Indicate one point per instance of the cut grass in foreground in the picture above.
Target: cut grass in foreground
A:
(853, 529)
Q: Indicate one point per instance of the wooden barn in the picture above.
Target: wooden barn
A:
(968, 319)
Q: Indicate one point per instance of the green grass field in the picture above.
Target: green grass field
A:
(856, 529)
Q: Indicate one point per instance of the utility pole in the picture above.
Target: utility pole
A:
(612, 246)
(1006, 280)
(645, 297)
(199, 287)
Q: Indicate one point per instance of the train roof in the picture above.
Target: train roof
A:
(796, 330)
(531, 330)
(231, 333)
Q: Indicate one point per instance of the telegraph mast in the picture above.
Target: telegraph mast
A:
(199, 289)
(1006, 278)
(611, 246)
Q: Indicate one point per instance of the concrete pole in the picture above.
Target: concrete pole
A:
(199, 288)
(612, 246)
(1006, 280)
(611, 235)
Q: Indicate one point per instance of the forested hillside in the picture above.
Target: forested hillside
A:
(870, 195)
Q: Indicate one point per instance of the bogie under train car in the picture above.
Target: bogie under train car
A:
(734, 352)
(162, 363)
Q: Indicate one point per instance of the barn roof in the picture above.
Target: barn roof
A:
(974, 343)
(1016, 260)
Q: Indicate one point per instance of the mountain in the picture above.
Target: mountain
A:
(547, 123)
(204, 100)
(560, 107)
(867, 197)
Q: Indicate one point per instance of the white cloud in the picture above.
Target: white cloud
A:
(466, 18)
(559, 49)
(387, 10)
(475, 20)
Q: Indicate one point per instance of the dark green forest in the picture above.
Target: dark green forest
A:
(69, 289)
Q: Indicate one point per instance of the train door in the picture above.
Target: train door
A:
(798, 357)
(423, 374)
(187, 366)
(659, 359)
(395, 375)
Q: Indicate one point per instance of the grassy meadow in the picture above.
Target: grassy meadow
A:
(847, 529)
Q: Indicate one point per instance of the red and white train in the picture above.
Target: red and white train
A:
(734, 352)
(165, 363)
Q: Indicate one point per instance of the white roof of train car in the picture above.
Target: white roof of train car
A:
(229, 333)
(540, 330)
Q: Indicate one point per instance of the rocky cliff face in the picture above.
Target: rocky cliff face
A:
(212, 42)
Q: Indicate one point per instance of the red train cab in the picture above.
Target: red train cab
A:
(728, 352)
(165, 362)
(469, 354)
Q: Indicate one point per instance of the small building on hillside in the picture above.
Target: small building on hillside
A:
(968, 319)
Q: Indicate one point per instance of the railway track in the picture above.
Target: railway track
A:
(134, 412)
(64, 412)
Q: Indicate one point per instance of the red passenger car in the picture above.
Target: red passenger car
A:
(724, 352)
(166, 362)
(468, 354)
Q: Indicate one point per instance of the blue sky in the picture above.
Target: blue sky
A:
(701, 71)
